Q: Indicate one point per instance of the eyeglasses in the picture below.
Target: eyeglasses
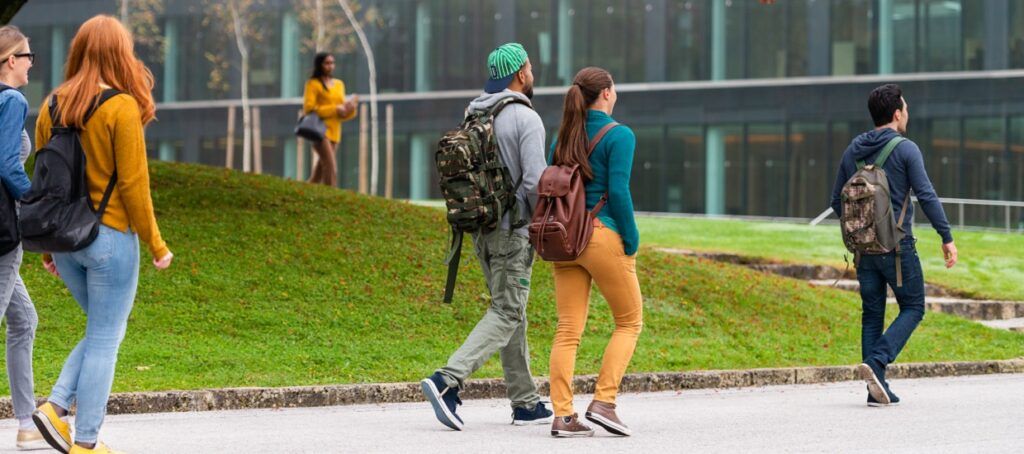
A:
(31, 56)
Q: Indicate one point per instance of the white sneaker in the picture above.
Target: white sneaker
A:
(31, 440)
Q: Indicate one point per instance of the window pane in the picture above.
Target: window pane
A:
(685, 165)
(904, 32)
(853, 37)
(649, 170)
(688, 40)
(766, 170)
(766, 41)
(809, 185)
(941, 35)
(1016, 38)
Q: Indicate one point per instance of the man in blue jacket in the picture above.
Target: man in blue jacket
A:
(905, 172)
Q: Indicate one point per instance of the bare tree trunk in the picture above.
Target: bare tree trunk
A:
(257, 138)
(229, 153)
(362, 150)
(375, 154)
(319, 25)
(124, 12)
(246, 113)
(389, 150)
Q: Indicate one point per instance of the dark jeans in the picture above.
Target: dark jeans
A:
(875, 272)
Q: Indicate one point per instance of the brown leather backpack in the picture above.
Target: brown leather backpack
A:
(561, 226)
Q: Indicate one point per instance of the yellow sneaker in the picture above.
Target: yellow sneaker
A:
(100, 448)
(30, 440)
(55, 431)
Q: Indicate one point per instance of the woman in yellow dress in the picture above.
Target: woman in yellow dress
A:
(325, 96)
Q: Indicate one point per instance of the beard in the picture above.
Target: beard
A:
(528, 92)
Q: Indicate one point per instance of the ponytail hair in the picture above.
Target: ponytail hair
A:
(571, 148)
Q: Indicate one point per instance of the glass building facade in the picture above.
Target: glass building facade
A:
(739, 108)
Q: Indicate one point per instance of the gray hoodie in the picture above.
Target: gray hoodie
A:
(520, 135)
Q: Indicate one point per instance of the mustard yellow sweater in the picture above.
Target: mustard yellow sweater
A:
(117, 121)
(325, 103)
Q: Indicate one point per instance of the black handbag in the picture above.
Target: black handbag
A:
(311, 127)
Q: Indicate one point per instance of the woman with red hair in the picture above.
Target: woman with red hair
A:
(106, 96)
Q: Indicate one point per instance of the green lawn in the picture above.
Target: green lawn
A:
(278, 283)
(990, 263)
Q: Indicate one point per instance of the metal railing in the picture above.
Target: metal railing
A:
(960, 203)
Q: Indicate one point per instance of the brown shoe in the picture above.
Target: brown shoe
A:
(570, 426)
(603, 414)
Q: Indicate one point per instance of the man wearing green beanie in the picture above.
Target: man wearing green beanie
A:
(505, 254)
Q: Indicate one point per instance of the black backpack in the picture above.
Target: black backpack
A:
(9, 237)
(57, 213)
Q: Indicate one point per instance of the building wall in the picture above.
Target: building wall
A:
(757, 149)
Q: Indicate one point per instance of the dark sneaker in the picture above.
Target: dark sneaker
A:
(570, 426)
(603, 414)
(444, 399)
(539, 415)
(874, 378)
(893, 399)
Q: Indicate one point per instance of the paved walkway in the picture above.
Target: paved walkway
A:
(963, 414)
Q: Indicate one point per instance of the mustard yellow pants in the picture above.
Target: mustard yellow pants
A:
(604, 262)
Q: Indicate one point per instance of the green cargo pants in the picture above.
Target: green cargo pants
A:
(507, 261)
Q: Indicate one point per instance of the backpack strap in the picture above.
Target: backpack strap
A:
(884, 154)
(899, 225)
(454, 256)
(515, 220)
(590, 150)
(503, 103)
(104, 96)
(55, 119)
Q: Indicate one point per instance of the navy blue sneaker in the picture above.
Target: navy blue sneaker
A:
(874, 376)
(539, 415)
(893, 398)
(443, 398)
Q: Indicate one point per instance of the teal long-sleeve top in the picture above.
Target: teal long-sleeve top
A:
(612, 164)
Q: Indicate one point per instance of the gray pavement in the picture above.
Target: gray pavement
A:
(961, 414)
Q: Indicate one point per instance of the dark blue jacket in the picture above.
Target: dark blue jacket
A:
(905, 171)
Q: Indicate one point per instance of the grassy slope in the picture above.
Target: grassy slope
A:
(277, 283)
(990, 263)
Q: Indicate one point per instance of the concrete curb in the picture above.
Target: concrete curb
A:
(370, 393)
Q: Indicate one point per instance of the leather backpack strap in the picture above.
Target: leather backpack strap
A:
(600, 135)
(590, 149)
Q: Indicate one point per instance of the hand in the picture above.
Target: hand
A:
(164, 262)
(50, 266)
(354, 99)
(949, 253)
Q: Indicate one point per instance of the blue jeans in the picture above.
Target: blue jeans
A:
(875, 272)
(17, 308)
(103, 278)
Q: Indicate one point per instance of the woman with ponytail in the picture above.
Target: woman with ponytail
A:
(609, 259)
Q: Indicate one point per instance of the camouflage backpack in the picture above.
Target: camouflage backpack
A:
(477, 187)
(867, 221)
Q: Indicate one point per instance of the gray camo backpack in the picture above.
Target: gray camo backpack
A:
(867, 222)
(477, 187)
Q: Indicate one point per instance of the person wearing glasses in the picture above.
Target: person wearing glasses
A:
(15, 304)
